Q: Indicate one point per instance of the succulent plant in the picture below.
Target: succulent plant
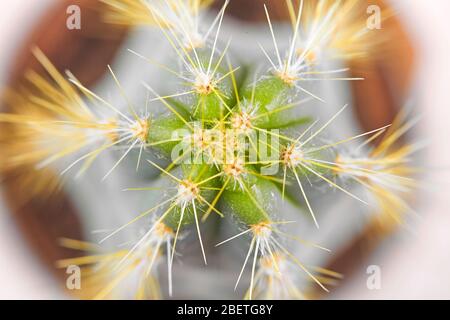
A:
(233, 143)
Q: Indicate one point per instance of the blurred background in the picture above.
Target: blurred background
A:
(414, 264)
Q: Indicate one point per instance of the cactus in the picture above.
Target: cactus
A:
(232, 144)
